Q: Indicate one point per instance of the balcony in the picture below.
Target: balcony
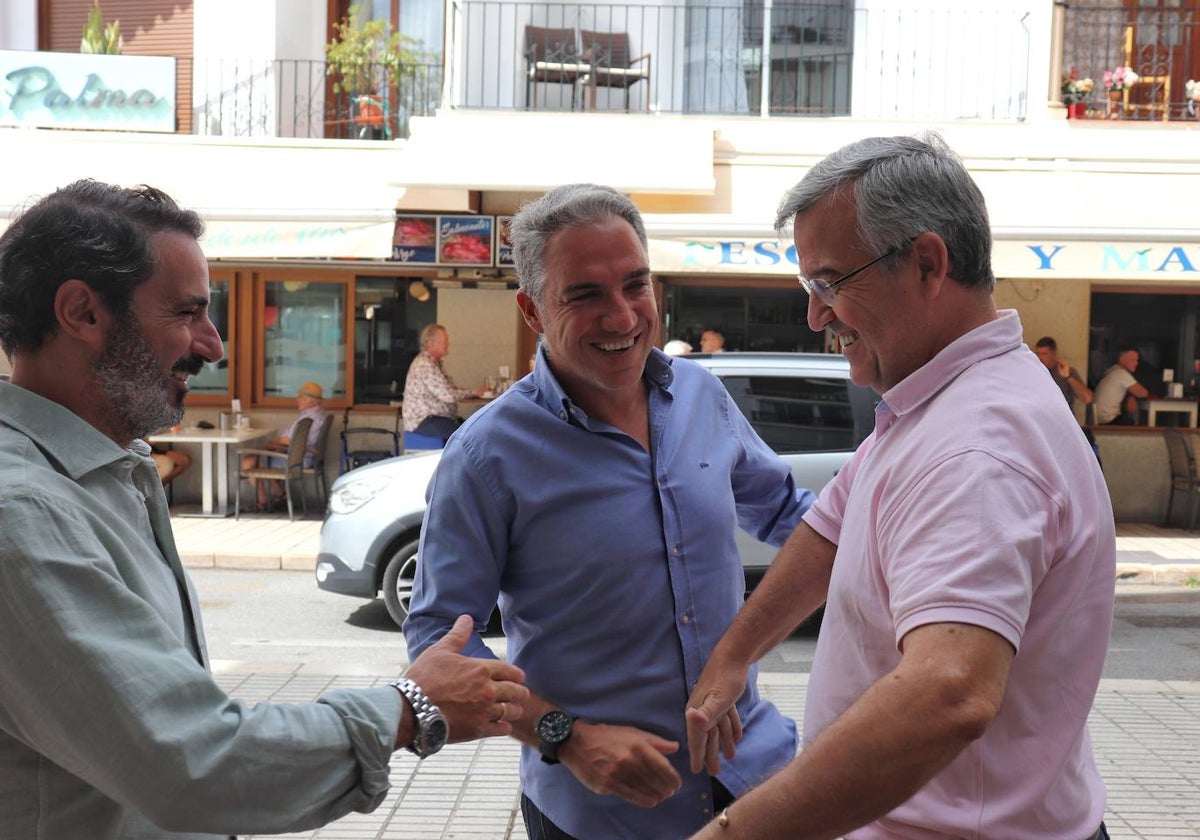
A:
(1162, 45)
(294, 98)
(782, 59)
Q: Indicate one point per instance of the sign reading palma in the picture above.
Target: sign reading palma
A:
(69, 90)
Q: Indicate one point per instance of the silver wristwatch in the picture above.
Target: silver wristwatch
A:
(431, 730)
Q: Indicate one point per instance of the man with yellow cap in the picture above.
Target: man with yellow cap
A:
(309, 399)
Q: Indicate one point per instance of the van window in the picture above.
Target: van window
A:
(797, 413)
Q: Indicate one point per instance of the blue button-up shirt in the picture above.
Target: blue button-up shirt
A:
(616, 571)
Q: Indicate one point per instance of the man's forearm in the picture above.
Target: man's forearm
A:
(795, 585)
(887, 745)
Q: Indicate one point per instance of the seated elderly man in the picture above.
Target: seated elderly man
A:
(309, 399)
(430, 395)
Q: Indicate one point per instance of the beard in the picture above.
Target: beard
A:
(139, 393)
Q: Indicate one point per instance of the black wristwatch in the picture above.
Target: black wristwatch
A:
(553, 729)
(431, 730)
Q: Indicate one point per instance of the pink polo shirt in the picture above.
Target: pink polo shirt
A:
(977, 500)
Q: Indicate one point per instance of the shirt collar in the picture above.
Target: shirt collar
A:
(76, 444)
(550, 392)
(996, 337)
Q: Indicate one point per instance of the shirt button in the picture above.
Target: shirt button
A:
(685, 619)
(675, 549)
(562, 415)
(704, 797)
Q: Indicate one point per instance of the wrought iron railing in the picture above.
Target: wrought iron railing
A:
(788, 57)
(296, 98)
(1162, 45)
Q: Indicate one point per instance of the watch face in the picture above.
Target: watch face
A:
(436, 734)
(554, 726)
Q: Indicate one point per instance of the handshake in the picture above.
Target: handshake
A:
(478, 698)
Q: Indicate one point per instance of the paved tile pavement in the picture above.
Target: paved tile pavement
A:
(1146, 735)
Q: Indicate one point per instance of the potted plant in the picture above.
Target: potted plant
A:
(100, 38)
(1074, 91)
(1116, 82)
(367, 61)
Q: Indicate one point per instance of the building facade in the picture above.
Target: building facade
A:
(342, 220)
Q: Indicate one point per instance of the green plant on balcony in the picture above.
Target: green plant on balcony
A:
(100, 38)
(368, 58)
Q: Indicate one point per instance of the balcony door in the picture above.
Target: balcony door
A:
(1165, 45)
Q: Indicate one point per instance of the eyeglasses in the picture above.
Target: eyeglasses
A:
(827, 292)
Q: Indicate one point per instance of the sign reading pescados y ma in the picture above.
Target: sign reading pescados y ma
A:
(70, 90)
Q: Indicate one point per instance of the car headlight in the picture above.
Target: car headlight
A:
(354, 494)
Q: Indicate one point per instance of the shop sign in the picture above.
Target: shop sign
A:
(426, 239)
(296, 240)
(1010, 258)
(74, 90)
(1098, 260)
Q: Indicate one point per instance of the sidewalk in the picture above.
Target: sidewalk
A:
(1146, 734)
(1145, 553)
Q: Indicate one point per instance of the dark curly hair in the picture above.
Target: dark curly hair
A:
(88, 231)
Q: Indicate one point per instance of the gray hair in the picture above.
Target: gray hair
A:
(572, 205)
(427, 334)
(903, 187)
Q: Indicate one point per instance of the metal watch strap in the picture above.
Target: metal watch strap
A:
(423, 711)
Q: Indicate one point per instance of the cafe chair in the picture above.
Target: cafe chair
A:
(1183, 473)
(607, 53)
(367, 444)
(552, 57)
(316, 470)
(291, 473)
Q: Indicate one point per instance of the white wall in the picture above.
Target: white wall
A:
(18, 25)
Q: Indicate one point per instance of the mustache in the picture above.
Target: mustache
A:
(190, 365)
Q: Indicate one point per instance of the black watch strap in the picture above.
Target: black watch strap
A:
(553, 730)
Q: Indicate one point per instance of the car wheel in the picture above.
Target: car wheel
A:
(398, 578)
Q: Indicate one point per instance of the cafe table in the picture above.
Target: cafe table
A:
(1159, 405)
(214, 461)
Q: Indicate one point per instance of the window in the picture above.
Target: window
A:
(762, 319)
(303, 336)
(215, 381)
(796, 413)
(389, 313)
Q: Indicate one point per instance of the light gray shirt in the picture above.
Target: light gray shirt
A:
(111, 726)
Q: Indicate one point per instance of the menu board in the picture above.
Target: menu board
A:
(465, 240)
(503, 243)
(415, 240)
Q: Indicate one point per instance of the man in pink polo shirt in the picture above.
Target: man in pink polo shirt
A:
(966, 553)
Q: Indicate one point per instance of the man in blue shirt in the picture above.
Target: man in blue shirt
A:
(111, 726)
(598, 499)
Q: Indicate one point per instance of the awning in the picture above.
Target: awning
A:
(260, 198)
(529, 152)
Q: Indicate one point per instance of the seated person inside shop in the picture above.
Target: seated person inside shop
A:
(430, 396)
(170, 463)
(309, 399)
(1118, 392)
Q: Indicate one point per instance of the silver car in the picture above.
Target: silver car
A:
(802, 404)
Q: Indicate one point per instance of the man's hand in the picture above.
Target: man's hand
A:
(713, 723)
(479, 697)
(621, 760)
(1064, 368)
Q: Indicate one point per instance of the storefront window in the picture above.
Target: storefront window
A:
(304, 337)
(216, 378)
(762, 319)
(1161, 327)
(389, 313)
